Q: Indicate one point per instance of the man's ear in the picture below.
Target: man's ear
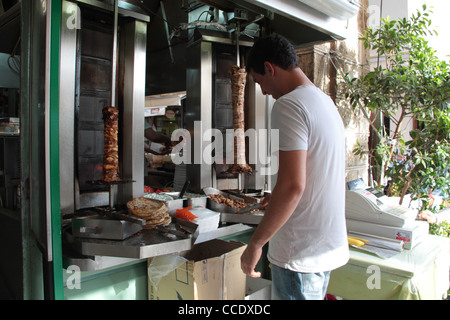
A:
(269, 68)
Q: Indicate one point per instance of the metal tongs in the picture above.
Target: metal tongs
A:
(180, 228)
(249, 208)
(175, 232)
(126, 217)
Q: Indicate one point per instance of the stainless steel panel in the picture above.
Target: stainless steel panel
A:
(149, 243)
(146, 244)
(92, 93)
(222, 232)
(67, 106)
(132, 63)
(259, 114)
(98, 228)
(253, 219)
(199, 110)
(91, 199)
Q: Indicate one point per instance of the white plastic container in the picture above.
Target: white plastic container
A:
(207, 220)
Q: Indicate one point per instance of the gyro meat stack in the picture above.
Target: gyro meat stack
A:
(238, 77)
(110, 153)
(154, 212)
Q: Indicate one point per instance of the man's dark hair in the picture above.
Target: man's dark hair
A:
(272, 48)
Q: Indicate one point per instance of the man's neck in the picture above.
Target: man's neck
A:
(292, 79)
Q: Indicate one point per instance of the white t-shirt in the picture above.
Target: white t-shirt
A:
(314, 239)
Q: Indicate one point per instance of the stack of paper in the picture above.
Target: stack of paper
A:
(382, 247)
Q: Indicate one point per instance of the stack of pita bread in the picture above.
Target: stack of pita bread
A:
(154, 212)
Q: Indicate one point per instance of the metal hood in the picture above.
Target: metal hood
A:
(301, 21)
(339, 9)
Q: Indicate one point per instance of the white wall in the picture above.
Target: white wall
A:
(440, 22)
(395, 9)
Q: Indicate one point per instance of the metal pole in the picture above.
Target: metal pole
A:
(114, 54)
(166, 25)
(238, 31)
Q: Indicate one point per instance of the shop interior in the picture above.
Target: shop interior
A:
(163, 65)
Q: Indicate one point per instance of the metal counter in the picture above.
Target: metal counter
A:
(97, 254)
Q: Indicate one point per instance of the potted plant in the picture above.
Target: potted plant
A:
(408, 82)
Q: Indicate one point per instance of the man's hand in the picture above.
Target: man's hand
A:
(249, 259)
(265, 201)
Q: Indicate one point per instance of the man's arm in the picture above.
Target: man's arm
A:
(158, 137)
(284, 199)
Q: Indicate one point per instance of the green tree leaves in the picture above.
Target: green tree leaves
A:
(409, 81)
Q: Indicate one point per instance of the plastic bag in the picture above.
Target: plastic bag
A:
(161, 266)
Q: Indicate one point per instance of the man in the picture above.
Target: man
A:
(305, 215)
(159, 144)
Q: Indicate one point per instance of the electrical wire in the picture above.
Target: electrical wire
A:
(14, 60)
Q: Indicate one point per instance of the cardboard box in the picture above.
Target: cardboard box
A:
(212, 272)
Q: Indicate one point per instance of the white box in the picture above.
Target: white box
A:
(207, 220)
(258, 289)
(411, 234)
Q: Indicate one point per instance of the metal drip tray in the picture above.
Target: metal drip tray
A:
(252, 219)
(108, 229)
(142, 245)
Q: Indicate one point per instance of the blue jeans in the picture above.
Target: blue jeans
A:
(291, 285)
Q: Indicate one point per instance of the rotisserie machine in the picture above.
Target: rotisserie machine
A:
(103, 58)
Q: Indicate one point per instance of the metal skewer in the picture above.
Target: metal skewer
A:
(114, 54)
(238, 33)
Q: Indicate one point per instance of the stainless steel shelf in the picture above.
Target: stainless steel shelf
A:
(96, 254)
(149, 243)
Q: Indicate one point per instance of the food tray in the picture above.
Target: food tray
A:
(223, 208)
(170, 199)
(102, 228)
(217, 206)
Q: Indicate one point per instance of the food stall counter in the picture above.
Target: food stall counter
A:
(418, 274)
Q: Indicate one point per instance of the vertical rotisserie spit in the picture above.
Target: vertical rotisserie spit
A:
(111, 154)
(238, 78)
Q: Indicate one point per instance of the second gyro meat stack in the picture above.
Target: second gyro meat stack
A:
(111, 144)
(238, 78)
